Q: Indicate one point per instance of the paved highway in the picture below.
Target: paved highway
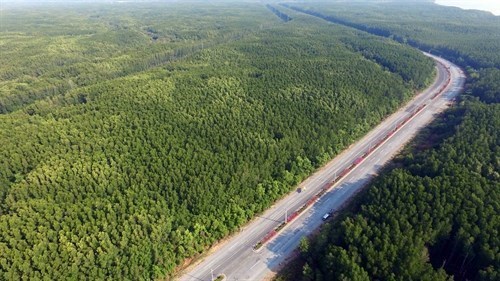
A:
(237, 259)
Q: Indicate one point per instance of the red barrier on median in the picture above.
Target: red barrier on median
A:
(293, 216)
(268, 236)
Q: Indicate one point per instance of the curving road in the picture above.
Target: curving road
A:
(237, 259)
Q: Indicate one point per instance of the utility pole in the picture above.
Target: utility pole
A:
(212, 271)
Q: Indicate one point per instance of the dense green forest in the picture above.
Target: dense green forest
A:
(50, 49)
(437, 213)
(471, 38)
(434, 214)
(134, 137)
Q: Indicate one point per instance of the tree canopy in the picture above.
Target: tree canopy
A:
(434, 214)
(134, 137)
(437, 214)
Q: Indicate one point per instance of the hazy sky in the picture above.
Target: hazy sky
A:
(486, 5)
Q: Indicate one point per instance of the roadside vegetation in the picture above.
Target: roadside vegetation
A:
(135, 137)
(434, 214)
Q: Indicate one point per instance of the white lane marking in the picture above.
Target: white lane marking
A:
(229, 258)
(254, 265)
(236, 244)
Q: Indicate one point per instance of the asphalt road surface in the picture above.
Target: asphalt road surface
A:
(237, 260)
